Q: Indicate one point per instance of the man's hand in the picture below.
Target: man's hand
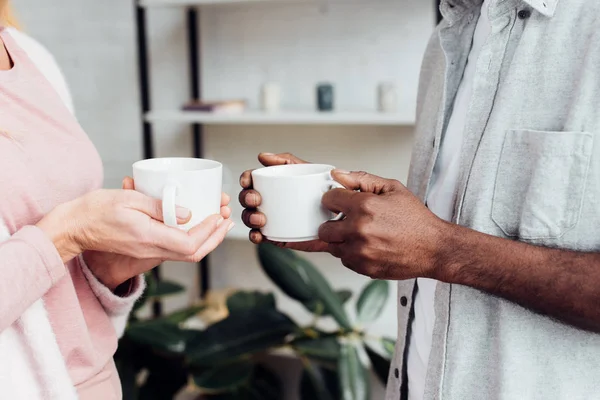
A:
(387, 233)
(250, 199)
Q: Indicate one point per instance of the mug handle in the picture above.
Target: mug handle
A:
(335, 185)
(168, 205)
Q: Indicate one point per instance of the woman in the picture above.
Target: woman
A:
(72, 256)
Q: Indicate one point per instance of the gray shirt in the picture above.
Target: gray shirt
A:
(530, 171)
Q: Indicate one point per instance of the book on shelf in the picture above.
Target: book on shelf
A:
(217, 107)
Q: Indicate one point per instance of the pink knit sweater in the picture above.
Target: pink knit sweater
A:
(59, 326)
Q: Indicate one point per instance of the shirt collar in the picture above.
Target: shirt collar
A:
(454, 9)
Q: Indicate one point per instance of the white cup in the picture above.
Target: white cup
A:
(271, 97)
(193, 183)
(291, 200)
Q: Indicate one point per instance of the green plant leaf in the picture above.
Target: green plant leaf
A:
(300, 280)
(264, 385)
(354, 377)
(181, 316)
(224, 378)
(389, 345)
(381, 365)
(161, 335)
(318, 383)
(243, 301)
(323, 348)
(281, 267)
(246, 332)
(164, 289)
(371, 301)
(317, 307)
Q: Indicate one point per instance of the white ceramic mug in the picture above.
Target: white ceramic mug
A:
(193, 183)
(291, 200)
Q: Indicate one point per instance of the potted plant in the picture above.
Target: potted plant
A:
(160, 356)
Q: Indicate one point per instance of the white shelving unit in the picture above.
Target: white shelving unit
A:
(188, 3)
(197, 120)
(282, 118)
(197, 3)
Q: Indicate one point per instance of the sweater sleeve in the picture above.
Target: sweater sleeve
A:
(29, 266)
(117, 307)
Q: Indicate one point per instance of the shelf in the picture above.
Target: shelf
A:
(282, 118)
(188, 3)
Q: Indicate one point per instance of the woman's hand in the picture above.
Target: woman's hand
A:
(250, 199)
(128, 224)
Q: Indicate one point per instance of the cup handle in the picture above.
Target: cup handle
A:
(336, 185)
(168, 205)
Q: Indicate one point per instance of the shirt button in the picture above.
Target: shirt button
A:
(403, 301)
(524, 14)
(397, 373)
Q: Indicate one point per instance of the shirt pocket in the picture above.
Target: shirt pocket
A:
(540, 182)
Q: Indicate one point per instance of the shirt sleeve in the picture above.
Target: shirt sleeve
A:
(117, 307)
(29, 266)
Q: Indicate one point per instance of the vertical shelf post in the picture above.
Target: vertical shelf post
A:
(144, 85)
(195, 73)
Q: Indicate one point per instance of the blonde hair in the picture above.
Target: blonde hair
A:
(7, 16)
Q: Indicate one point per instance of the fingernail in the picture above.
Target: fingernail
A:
(182, 212)
(268, 154)
(256, 219)
(341, 171)
(220, 221)
(231, 225)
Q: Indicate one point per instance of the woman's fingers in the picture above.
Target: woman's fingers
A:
(175, 244)
(205, 237)
(213, 241)
(225, 212)
(128, 183)
(153, 207)
(225, 199)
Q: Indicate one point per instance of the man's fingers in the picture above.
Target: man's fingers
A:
(269, 159)
(250, 198)
(246, 179)
(364, 182)
(340, 200)
(254, 219)
(335, 249)
(256, 237)
(333, 232)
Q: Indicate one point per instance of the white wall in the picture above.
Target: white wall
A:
(354, 44)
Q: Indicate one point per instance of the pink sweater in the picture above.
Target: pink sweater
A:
(59, 326)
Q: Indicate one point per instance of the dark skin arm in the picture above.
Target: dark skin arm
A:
(389, 234)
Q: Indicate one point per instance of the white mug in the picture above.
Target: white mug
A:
(193, 183)
(271, 97)
(291, 200)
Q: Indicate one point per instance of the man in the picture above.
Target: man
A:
(495, 242)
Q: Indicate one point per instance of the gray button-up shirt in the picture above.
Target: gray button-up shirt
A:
(530, 171)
